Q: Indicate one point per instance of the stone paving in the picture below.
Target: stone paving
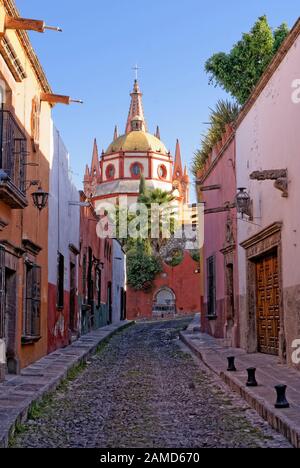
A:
(18, 393)
(269, 373)
(144, 389)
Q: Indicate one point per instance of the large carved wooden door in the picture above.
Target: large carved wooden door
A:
(268, 318)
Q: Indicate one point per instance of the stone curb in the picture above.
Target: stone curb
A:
(277, 420)
(85, 347)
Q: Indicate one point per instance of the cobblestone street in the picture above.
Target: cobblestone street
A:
(144, 389)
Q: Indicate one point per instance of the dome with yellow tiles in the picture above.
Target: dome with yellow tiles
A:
(137, 141)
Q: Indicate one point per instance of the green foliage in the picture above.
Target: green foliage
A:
(142, 190)
(280, 35)
(142, 266)
(195, 254)
(177, 258)
(239, 71)
(226, 112)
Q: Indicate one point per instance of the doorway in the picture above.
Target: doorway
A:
(164, 303)
(10, 319)
(109, 302)
(267, 304)
(73, 326)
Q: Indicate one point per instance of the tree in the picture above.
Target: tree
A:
(164, 201)
(143, 189)
(142, 266)
(239, 71)
(226, 112)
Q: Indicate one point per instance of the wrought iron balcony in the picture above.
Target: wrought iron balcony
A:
(13, 153)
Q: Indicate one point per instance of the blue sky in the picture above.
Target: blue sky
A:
(170, 40)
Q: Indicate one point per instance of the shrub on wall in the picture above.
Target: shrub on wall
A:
(195, 254)
(142, 267)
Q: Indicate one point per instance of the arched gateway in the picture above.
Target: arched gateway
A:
(164, 303)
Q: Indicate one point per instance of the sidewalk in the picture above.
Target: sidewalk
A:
(269, 373)
(18, 393)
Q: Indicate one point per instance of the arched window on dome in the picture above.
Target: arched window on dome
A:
(162, 172)
(110, 172)
(136, 170)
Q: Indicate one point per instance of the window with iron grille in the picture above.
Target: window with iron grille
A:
(32, 315)
(211, 287)
(60, 280)
(13, 150)
(2, 290)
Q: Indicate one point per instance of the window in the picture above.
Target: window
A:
(110, 171)
(90, 279)
(98, 286)
(60, 281)
(211, 287)
(136, 170)
(32, 315)
(162, 172)
(2, 290)
(84, 275)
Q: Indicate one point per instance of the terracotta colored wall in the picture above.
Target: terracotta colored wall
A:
(183, 281)
(58, 321)
(89, 238)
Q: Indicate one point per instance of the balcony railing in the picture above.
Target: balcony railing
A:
(13, 153)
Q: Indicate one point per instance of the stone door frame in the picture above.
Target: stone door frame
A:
(11, 263)
(262, 243)
(229, 253)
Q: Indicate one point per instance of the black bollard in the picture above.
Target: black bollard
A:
(251, 377)
(281, 402)
(231, 364)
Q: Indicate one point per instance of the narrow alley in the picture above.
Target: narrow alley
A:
(144, 389)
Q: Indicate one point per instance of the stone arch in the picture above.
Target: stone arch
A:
(164, 302)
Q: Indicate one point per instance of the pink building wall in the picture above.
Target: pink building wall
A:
(220, 171)
(267, 138)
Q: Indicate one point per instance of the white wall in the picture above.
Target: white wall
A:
(118, 279)
(63, 219)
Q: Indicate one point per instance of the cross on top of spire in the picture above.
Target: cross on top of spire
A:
(136, 69)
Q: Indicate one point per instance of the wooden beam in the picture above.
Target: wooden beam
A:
(221, 209)
(58, 99)
(210, 187)
(55, 99)
(24, 24)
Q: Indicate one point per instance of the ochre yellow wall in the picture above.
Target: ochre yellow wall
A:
(29, 223)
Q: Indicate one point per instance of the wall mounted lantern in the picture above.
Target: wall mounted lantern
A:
(40, 198)
(244, 203)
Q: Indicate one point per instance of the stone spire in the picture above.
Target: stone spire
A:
(178, 163)
(116, 133)
(95, 167)
(136, 109)
(157, 134)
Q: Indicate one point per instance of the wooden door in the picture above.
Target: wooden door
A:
(268, 318)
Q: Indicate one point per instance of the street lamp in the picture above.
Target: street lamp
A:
(243, 202)
(40, 198)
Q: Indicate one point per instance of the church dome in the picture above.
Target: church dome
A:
(137, 141)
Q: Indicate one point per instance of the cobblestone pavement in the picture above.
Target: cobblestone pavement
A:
(144, 389)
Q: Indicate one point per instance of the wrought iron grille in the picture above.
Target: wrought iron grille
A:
(13, 150)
